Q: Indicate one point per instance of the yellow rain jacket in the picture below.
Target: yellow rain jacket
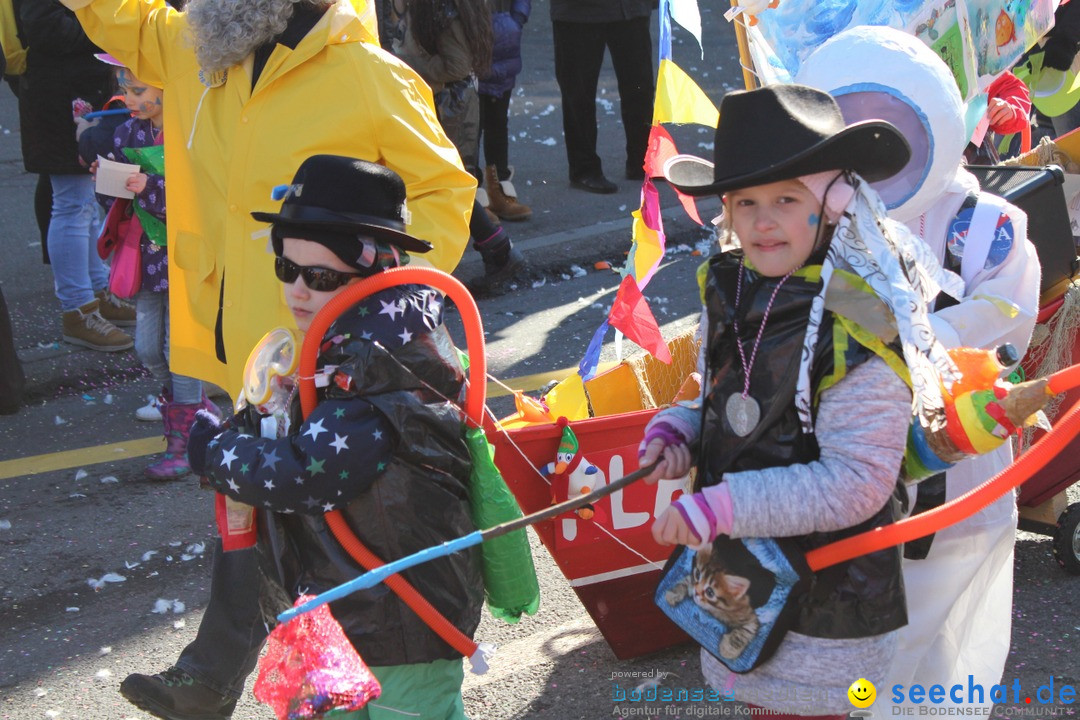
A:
(227, 145)
(14, 51)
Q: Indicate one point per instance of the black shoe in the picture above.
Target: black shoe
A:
(498, 277)
(595, 184)
(175, 695)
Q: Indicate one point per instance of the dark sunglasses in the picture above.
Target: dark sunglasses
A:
(317, 278)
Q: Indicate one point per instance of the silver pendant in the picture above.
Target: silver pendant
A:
(742, 414)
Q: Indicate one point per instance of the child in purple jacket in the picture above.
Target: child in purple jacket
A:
(181, 396)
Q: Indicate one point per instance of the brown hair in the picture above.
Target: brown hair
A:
(430, 18)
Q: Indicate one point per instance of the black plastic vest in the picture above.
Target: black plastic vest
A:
(857, 598)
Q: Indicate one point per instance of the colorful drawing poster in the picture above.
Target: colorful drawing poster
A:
(979, 39)
(1004, 29)
(948, 33)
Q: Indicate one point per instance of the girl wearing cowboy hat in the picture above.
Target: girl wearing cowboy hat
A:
(802, 421)
(381, 446)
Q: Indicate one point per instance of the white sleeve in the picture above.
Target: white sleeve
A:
(1000, 304)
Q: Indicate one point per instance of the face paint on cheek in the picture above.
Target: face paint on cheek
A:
(813, 220)
(121, 78)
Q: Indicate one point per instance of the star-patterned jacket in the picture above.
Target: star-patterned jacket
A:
(384, 446)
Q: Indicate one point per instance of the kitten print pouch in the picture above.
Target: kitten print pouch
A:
(737, 598)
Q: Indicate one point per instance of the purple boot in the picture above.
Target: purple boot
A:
(177, 419)
(209, 406)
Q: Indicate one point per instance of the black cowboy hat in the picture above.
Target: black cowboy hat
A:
(331, 193)
(780, 132)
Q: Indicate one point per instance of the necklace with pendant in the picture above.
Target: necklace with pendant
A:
(742, 411)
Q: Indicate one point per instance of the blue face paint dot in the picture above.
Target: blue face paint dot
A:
(813, 219)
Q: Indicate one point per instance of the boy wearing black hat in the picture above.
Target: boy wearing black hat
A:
(803, 418)
(384, 446)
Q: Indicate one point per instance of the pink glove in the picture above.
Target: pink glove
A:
(707, 513)
(667, 427)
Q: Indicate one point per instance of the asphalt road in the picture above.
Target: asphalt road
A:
(64, 646)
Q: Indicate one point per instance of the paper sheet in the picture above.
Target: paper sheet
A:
(112, 177)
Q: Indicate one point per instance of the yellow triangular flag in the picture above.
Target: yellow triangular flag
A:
(680, 100)
(646, 249)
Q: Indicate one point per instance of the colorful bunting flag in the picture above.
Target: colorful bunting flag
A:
(680, 100)
(661, 149)
(590, 361)
(630, 315)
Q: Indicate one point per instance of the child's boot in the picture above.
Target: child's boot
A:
(208, 405)
(502, 264)
(177, 419)
(502, 196)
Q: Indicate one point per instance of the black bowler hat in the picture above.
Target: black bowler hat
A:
(335, 194)
(781, 132)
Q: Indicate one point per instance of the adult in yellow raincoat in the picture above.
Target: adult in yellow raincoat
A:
(229, 143)
(14, 52)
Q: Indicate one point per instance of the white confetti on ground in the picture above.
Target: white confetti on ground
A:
(130, 565)
(163, 607)
(103, 674)
(80, 474)
(108, 399)
(5, 524)
(196, 548)
(52, 713)
(547, 141)
(539, 283)
(40, 692)
(109, 479)
(71, 609)
(105, 650)
(59, 420)
(622, 208)
(185, 557)
(76, 495)
(578, 271)
(547, 111)
(179, 624)
(97, 584)
(148, 554)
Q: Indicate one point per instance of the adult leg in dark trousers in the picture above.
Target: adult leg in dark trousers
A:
(12, 380)
(579, 54)
(43, 212)
(630, 45)
(209, 676)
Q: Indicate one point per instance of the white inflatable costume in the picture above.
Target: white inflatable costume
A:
(960, 595)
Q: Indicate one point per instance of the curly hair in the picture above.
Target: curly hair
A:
(430, 18)
(225, 32)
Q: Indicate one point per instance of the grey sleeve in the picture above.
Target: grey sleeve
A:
(862, 431)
